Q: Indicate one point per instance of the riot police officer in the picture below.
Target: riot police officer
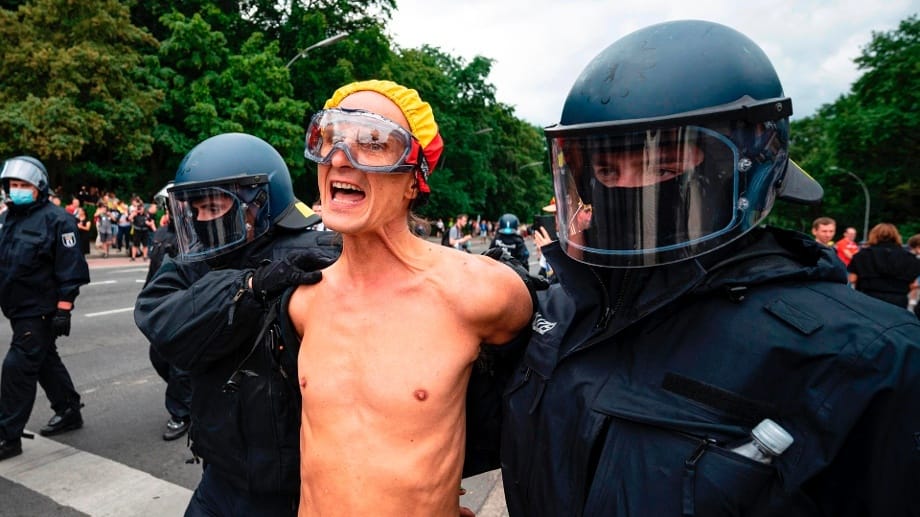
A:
(680, 323)
(178, 398)
(243, 238)
(509, 239)
(41, 271)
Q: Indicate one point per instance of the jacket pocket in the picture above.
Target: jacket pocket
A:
(659, 455)
(27, 248)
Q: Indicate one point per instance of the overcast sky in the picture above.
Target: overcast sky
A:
(540, 46)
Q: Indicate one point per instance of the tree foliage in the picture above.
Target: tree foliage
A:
(870, 133)
(211, 90)
(116, 93)
(70, 94)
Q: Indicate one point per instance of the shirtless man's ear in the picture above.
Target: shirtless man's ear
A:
(412, 191)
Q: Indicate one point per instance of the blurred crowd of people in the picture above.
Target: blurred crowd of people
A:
(109, 223)
(883, 266)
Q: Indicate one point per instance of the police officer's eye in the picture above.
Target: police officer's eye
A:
(603, 171)
(669, 171)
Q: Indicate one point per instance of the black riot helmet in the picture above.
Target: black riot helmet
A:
(508, 224)
(672, 143)
(229, 190)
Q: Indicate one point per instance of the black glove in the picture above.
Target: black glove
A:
(534, 283)
(298, 268)
(61, 323)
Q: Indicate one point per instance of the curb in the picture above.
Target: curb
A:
(115, 259)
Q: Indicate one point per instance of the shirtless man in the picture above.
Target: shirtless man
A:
(391, 332)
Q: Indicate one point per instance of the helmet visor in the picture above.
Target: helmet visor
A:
(645, 197)
(213, 219)
(371, 142)
(24, 170)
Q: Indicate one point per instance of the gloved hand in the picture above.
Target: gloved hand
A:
(534, 282)
(60, 322)
(298, 268)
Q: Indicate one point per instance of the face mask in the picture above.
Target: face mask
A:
(218, 232)
(619, 222)
(21, 196)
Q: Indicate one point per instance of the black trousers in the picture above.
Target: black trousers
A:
(216, 497)
(178, 386)
(32, 360)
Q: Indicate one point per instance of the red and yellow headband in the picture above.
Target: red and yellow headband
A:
(417, 112)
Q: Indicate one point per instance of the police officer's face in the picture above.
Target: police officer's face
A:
(211, 207)
(640, 167)
(20, 184)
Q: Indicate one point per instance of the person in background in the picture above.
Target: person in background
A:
(141, 226)
(384, 402)
(509, 239)
(123, 238)
(542, 239)
(913, 245)
(84, 225)
(41, 271)
(243, 239)
(456, 237)
(178, 398)
(152, 223)
(847, 247)
(824, 228)
(680, 323)
(73, 206)
(105, 226)
(884, 269)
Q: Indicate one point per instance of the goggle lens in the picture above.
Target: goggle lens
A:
(370, 142)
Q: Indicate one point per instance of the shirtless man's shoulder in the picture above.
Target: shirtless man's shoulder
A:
(478, 289)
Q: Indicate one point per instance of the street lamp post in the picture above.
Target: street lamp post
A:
(328, 41)
(865, 235)
(528, 165)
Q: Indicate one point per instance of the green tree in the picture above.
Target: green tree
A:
(870, 132)
(69, 88)
(484, 144)
(212, 91)
(523, 182)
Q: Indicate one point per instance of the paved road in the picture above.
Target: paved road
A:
(118, 465)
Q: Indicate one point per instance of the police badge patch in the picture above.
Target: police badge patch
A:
(69, 239)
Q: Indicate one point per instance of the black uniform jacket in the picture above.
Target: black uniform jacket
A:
(206, 322)
(40, 259)
(628, 400)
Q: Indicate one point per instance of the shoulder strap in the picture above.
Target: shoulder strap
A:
(289, 337)
(232, 384)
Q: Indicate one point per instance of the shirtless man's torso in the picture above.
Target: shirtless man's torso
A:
(389, 336)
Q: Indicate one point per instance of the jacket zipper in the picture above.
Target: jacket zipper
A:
(606, 315)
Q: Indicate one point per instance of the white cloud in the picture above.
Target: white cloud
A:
(540, 46)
